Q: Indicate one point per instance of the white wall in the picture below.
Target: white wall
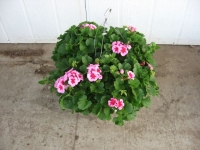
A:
(41, 21)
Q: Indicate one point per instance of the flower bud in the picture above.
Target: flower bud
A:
(122, 71)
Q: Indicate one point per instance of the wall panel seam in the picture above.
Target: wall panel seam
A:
(4, 30)
(182, 22)
(56, 16)
(27, 20)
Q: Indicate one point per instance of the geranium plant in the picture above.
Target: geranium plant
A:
(103, 71)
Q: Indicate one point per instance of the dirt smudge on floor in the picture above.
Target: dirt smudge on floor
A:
(22, 53)
(44, 69)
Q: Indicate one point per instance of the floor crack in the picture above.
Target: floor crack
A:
(74, 144)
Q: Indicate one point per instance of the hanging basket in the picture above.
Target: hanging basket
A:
(103, 71)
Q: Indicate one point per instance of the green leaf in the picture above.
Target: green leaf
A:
(83, 97)
(115, 93)
(131, 116)
(128, 107)
(97, 87)
(134, 83)
(97, 108)
(85, 31)
(146, 102)
(83, 47)
(107, 111)
(80, 38)
(118, 120)
(98, 97)
(106, 68)
(83, 69)
(126, 66)
(93, 88)
(115, 37)
(68, 47)
(70, 61)
(86, 59)
(79, 94)
(67, 102)
(118, 84)
(152, 78)
(44, 81)
(102, 115)
(62, 64)
(90, 42)
(120, 66)
(107, 47)
(140, 94)
(61, 102)
(123, 92)
(62, 49)
(113, 69)
(152, 91)
(100, 87)
(104, 100)
(137, 69)
(92, 32)
(105, 59)
(84, 103)
(85, 112)
(52, 89)
(60, 37)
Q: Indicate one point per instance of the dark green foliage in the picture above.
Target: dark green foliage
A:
(76, 49)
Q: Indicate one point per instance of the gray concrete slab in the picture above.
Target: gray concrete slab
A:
(30, 117)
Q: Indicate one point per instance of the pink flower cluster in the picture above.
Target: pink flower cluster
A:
(131, 28)
(60, 85)
(120, 48)
(91, 26)
(93, 73)
(150, 66)
(130, 74)
(113, 102)
(73, 77)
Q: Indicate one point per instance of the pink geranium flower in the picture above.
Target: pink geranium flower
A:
(113, 102)
(128, 46)
(91, 26)
(120, 48)
(92, 77)
(58, 81)
(60, 85)
(118, 43)
(150, 66)
(66, 75)
(124, 50)
(120, 104)
(94, 72)
(122, 71)
(61, 88)
(73, 77)
(131, 28)
(73, 81)
(116, 49)
(79, 76)
(131, 75)
(93, 66)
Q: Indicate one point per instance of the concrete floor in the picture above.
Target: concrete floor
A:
(30, 117)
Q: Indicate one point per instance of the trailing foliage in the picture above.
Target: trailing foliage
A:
(103, 71)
